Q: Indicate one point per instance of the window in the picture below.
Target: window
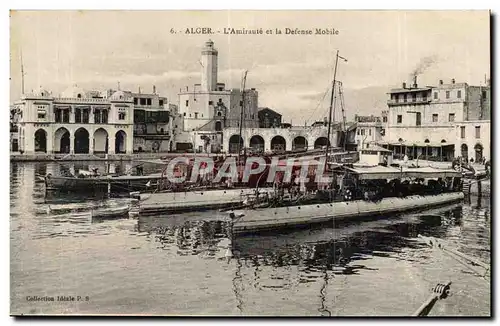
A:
(435, 117)
(451, 117)
(405, 98)
(447, 94)
(78, 116)
(424, 97)
(148, 101)
(478, 132)
(85, 116)
(210, 102)
(121, 116)
(41, 115)
(384, 119)
(104, 116)
(196, 115)
(135, 100)
(143, 101)
(484, 95)
(219, 114)
(79, 96)
(161, 102)
(414, 97)
(459, 94)
(400, 118)
(369, 132)
(462, 132)
(184, 113)
(187, 102)
(359, 131)
(362, 132)
(435, 95)
(241, 103)
(58, 115)
(418, 119)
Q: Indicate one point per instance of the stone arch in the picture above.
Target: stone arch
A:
(40, 140)
(81, 142)
(278, 143)
(120, 142)
(464, 151)
(218, 126)
(478, 150)
(101, 141)
(299, 143)
(62, 140)
(257, 143)
(320, 142)
(233, 143)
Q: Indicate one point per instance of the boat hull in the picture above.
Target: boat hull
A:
(283, 217)
(121, 184)
(110, 213)
(176, 202)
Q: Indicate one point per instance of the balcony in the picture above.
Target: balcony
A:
(426, 100)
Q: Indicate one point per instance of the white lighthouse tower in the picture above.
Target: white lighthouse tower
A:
(209, 67)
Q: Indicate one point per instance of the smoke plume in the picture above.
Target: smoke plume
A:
(424, 63)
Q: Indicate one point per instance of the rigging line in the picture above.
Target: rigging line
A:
(320, 102)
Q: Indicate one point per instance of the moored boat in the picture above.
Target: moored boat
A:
(377, 190)
(168, 202)
(111, 212)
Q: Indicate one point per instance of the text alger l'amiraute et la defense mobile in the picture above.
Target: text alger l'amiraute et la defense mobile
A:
(258, 31)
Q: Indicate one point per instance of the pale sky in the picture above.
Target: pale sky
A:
(96, 49)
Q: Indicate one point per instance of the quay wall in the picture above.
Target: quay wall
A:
(42, 157)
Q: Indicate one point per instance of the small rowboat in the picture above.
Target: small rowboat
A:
(111, 212)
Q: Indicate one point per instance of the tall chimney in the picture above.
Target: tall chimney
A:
(415, 81)
(404, 85)
(139, 90)
(154, 89)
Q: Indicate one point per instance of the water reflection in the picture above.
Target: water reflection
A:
(268, 266)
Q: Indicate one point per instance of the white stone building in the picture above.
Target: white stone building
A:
(427, 121)
(207, 108)
(75, 122)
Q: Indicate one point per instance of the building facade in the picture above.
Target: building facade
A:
(210, 106)
(76, 122)
(260, 140)
(153, 123)
(269, 118)
(425, 121)
(369, 129)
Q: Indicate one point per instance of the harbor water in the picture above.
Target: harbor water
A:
(190, 265)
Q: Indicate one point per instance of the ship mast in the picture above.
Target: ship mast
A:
(241, 115)
(332, 104)
(22, 74)
(341, 95)
(331, 108)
